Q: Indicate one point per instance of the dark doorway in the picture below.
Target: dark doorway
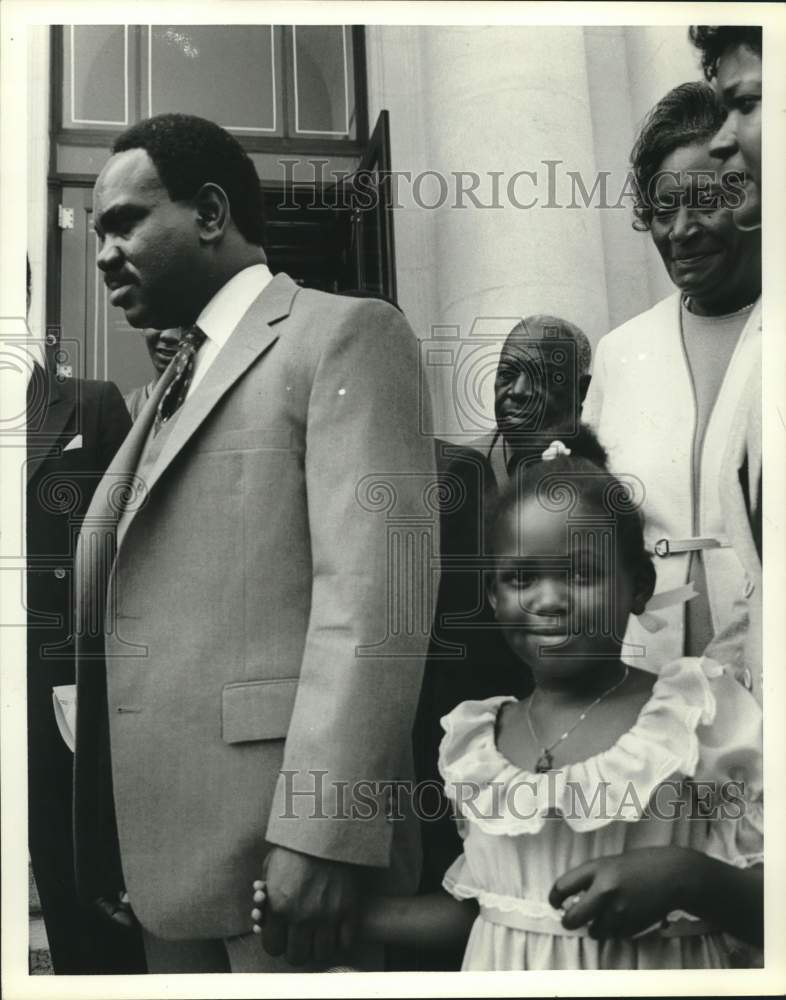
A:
(337, 237)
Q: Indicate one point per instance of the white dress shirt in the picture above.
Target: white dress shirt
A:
(222, 314)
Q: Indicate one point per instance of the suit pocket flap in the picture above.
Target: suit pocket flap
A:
(257, 710)
(248, 439)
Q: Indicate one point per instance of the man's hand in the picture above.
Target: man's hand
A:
(624, 894)
(310, 908)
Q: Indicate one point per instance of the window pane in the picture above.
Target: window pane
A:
(96, 75)
(322, 65)
(226, 74)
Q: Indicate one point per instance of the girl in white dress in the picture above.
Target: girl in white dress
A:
(613, 819)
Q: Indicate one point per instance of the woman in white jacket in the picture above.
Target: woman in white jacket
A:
(666, 385)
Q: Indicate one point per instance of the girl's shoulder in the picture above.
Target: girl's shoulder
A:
(723, 717)
(697, 722)
(470, 734)
(731, 742)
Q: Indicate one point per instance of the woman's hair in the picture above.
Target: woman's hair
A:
(688, 114)
(714, 40)
(579, 480)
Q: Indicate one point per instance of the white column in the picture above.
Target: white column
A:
(507, 99)
(629, 268)
(395, 82)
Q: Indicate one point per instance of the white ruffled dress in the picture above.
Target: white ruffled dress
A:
(522, 830)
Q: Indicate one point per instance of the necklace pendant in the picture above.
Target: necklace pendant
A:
(544, 763)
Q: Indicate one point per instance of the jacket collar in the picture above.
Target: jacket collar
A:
(253, 336)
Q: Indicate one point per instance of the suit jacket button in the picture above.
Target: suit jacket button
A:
(747, 678)
(60, 573)
(749, 587)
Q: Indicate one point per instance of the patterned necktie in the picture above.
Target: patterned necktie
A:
(177, 389)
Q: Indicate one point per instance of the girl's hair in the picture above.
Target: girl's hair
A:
(579, 480)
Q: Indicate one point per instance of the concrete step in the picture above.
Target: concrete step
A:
(32, 891)
(38, 941)
(38, 946)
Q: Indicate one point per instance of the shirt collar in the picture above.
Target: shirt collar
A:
(227, 307)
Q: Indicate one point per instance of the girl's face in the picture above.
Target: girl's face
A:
(561, 591)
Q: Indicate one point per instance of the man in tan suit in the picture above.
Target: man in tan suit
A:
(235, 652)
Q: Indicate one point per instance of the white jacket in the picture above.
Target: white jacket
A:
(641, 403)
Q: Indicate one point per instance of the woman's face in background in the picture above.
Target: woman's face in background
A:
(738, 141)
(162, 346)
(706, 255)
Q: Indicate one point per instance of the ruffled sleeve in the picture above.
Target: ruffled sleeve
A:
(730, 771)
(614, 785)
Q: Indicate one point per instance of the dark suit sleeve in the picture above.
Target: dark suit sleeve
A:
(114, 422)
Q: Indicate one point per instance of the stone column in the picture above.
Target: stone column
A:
(505, 100)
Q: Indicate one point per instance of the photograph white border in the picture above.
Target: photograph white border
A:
(14, 16)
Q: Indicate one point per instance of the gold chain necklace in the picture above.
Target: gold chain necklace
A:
(687, 301)
(545, 761)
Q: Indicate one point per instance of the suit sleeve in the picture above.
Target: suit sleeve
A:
(374, 539)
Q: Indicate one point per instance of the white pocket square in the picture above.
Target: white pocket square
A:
(64, 700)
(75, 442)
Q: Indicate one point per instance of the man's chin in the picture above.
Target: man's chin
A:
(140, 318)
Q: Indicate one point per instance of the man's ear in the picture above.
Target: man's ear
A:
(643, 586)
(213, 215)
(584, 384)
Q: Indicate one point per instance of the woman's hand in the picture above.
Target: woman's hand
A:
(625, 894)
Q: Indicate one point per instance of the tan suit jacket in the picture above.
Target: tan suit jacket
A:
(243, 604)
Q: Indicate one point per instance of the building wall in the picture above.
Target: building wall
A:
(507, 99)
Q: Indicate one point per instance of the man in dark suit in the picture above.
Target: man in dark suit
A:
(74, 427)
(245, 651)
(542, 378)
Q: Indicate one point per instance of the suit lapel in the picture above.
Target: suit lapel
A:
(111, 496)
(251, 338)
(49, 407)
